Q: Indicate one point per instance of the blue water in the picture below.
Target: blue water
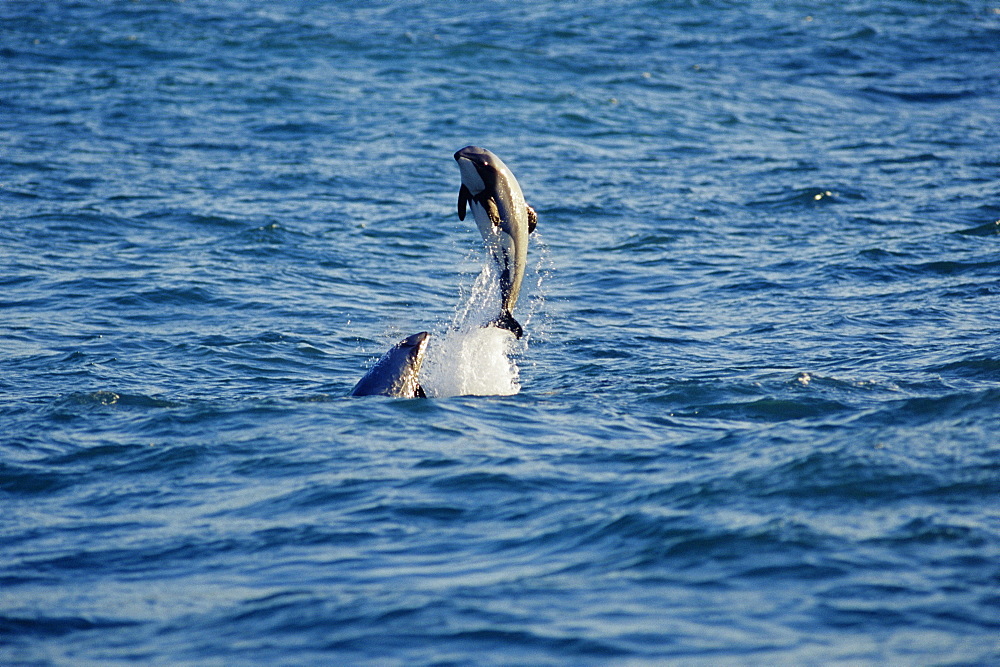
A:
(755, 418)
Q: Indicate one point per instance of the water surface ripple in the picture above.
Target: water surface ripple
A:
(757, 410)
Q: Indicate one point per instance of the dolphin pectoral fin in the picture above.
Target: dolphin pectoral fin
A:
(419, 393)
(532, 219)
(507, 321)
(464, 196)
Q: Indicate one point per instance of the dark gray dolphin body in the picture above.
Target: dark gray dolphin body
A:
(395, 374)
(504, 220)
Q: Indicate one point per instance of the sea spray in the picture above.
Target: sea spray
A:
(471, 361)
(470, 357)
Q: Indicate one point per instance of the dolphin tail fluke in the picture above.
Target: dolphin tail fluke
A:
(507, 321)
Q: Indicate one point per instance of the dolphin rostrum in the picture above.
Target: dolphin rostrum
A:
(504, 220)
(395, 374)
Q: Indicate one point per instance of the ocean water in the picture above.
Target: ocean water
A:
(755, 418)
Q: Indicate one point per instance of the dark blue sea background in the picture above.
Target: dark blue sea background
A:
(755, 418)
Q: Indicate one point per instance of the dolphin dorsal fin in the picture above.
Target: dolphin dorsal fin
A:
(464, 196)
(532, 219)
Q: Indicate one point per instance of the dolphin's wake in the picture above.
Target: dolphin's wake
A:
(469, 358)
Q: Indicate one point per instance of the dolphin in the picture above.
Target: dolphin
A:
(504, 220)
(395, 374)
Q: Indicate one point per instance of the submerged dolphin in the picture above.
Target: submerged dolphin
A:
(504, 220)
(395, 374)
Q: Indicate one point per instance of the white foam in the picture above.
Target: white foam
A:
(470, 362)
(469, 358)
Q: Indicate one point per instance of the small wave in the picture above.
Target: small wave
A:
(843, 474)
(955, 268)
(325, 495)
(929, 409)
(773, 409)
(977, 367)
(174, 296)
(919, 96)
(811, 196)
(936, 530)
(26, 480)
(54, 626)
(104, 398)
(481, 481)
(989, 229)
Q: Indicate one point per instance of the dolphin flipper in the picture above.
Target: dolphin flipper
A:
(532, 219)
(464, 196)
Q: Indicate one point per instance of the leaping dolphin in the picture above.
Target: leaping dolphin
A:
(504, 220)
(395, 374)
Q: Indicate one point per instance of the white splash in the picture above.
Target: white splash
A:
(470, 362)
(469, 358)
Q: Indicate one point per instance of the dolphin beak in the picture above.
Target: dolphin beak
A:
(465, 153)
(417, 339)
(477, 156)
